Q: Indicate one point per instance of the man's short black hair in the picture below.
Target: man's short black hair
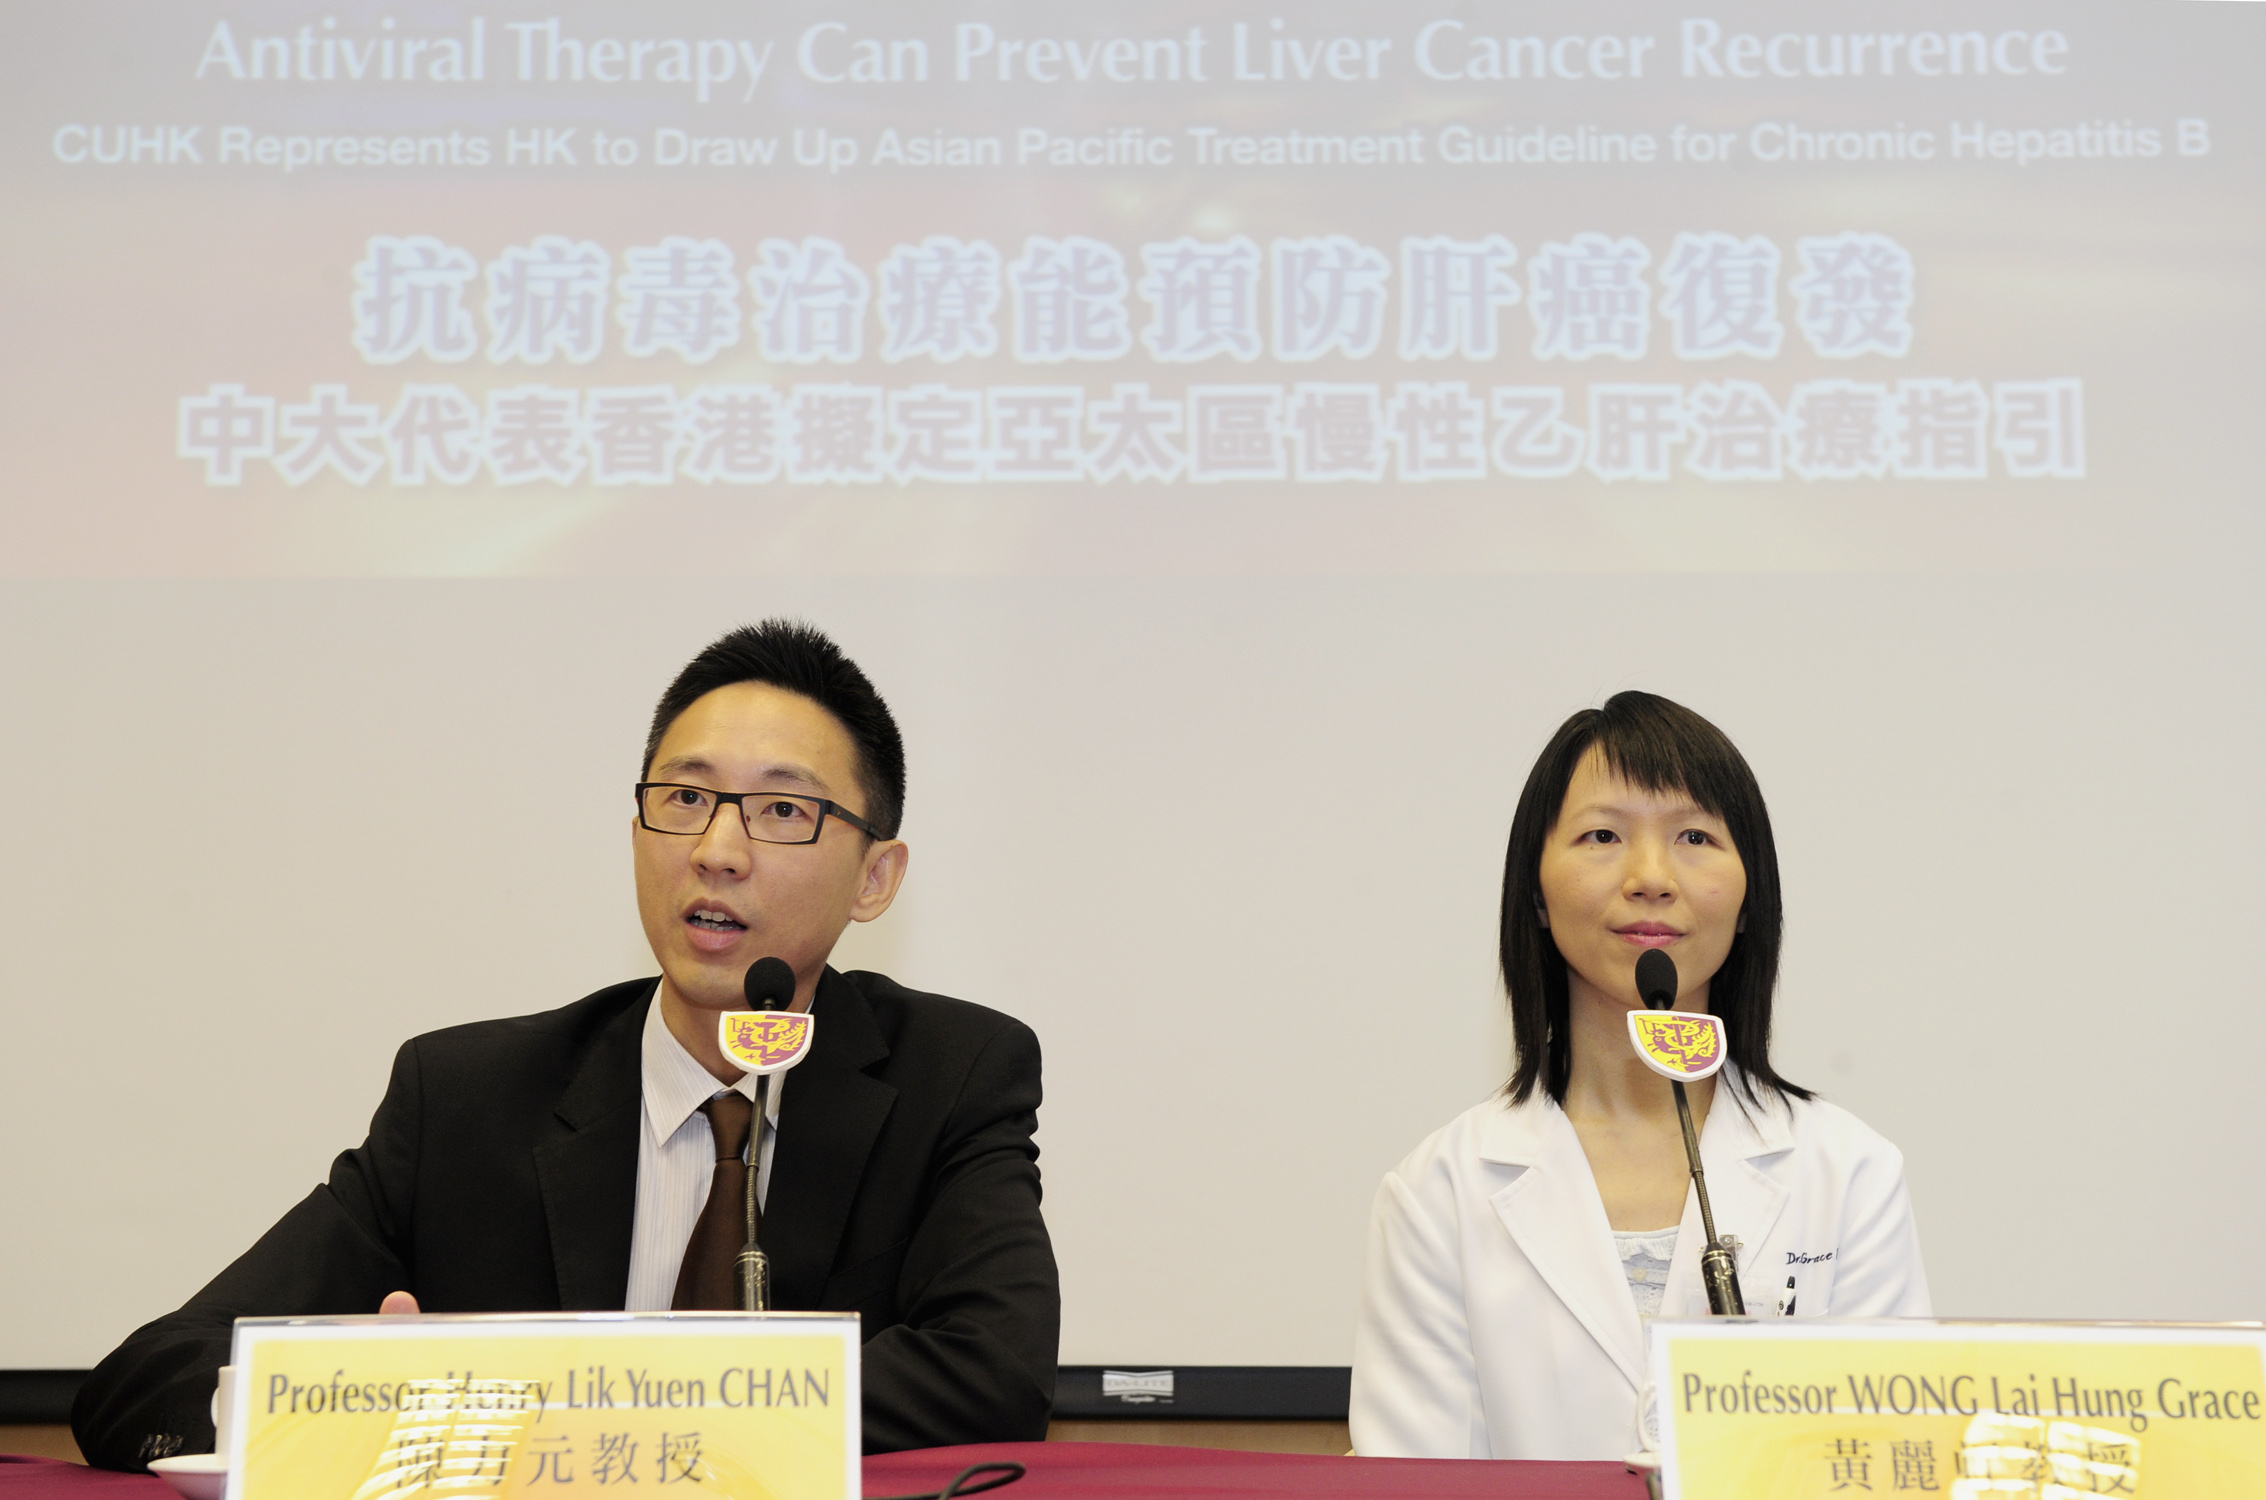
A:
(801, 659)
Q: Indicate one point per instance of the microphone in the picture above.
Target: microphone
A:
(1719, 1269)
(1656, 979)
(767, 1037)
(769, 986)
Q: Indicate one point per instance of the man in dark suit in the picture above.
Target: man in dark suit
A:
(561, 1161)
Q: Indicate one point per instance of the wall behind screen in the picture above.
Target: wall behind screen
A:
(1231, 846)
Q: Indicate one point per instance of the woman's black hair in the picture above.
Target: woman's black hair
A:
(1662, 747)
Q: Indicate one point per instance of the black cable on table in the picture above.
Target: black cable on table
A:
(1002, 1471)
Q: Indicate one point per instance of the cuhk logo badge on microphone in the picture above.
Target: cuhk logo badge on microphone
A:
(1678, 1043)
(765, 1041)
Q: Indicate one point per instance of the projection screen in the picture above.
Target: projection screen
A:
(1234, 438)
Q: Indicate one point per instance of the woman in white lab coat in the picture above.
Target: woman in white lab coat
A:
(1513, 1254)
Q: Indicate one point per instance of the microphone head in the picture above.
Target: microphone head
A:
(771, 984)
(1656, 979)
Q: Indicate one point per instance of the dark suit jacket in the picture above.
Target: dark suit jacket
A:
(500, 1175)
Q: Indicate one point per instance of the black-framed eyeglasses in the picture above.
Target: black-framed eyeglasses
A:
(771, 817)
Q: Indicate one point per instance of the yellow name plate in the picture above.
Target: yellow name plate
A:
(1775, 1409)
(752, 1406)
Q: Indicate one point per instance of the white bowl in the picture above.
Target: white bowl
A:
(197, 1476)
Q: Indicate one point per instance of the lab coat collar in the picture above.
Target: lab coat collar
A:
(1556, 1217)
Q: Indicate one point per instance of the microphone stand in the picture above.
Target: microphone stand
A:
(768, 985)
(1719, 1268)
(754, 1266)
(1719, 1271)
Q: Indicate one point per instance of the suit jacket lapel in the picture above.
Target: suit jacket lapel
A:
(1555, 1215)
(829, 1117)
(588, 1169)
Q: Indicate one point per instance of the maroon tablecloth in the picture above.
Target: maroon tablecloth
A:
(1076, 1471)
(52, 1476)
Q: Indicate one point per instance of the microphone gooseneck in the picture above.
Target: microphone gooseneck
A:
(770, 985)
(1719, 1270)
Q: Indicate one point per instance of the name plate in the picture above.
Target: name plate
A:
(753, 1406)
(1762, 1408)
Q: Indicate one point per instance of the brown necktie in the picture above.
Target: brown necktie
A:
(706, 1279)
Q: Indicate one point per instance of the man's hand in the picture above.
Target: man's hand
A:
(398, 1302)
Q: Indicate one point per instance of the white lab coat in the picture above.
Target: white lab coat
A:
(1496, 1319)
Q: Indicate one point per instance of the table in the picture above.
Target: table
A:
(51, 1476)
(1074, 1471)
(1098, 1471)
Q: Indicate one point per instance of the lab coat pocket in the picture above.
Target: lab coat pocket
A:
(1804, 1285)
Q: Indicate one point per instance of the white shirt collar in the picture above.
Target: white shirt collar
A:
(676, 1085)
